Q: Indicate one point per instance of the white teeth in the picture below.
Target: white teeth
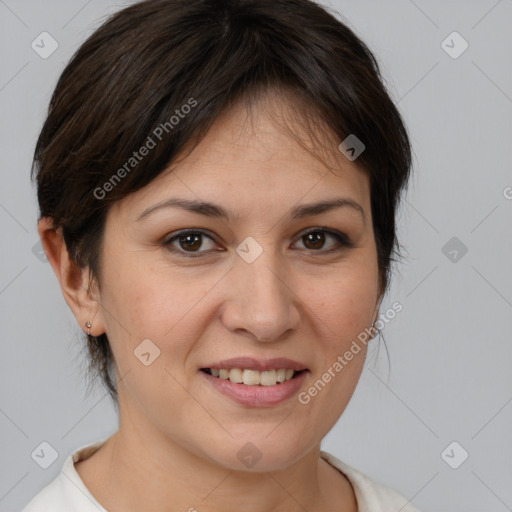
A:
(268, 378)
(253, 377)
(235, 375)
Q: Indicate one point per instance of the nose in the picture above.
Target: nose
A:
(261, 301)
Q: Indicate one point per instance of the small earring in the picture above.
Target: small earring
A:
(88, 325)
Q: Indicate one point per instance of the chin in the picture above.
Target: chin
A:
(257, 453)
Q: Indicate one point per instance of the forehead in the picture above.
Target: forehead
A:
(264, 154)
(273, 129)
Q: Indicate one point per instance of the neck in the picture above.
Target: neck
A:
(141, 469)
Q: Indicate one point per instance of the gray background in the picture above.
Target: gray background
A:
(450, 347)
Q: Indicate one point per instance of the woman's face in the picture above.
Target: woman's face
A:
(251, 287)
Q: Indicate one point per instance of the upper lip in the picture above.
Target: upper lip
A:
(250, 363)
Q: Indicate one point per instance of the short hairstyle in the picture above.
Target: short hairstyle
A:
(165, 70)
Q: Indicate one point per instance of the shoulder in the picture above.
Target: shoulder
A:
(67, 492)
(371, 496)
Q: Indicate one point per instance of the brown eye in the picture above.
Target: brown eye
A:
(192, 242)
(315, 240)
(188, 243)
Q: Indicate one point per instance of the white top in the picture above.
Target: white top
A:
(67, 492)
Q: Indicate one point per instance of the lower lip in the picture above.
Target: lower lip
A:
(257, 396)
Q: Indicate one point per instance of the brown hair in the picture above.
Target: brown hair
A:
(132, 78)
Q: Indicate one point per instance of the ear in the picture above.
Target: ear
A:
(73, 281)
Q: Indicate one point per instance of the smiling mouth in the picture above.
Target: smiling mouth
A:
(253, 377)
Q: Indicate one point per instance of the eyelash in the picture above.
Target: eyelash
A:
(342, 241)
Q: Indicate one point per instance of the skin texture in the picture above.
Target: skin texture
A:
(178, 438)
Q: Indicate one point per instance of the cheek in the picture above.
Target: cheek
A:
(341, 311)
(144, 304)
(343, 304)
(138, 293)
(143, 301)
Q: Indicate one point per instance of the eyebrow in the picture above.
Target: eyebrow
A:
(217, 211)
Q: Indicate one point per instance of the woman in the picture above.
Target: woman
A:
(217, 183)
